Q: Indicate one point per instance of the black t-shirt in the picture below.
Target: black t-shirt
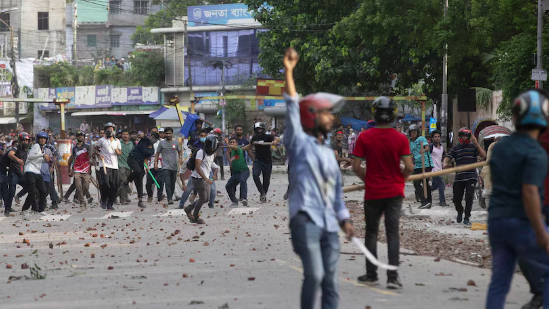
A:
(263, 152)
(14, 166)
(338, 148)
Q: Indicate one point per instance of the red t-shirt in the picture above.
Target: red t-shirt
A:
(544, 142)
(382, 149)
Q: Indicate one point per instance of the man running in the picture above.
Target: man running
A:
(239, 174)
(383, 148)
(438, 154)
(123, 167)
(33, 175)
(81, 169)
(263, 163)
(137, 160)
(108, 149)
(420, 147)
(466, 152)
(171, 156)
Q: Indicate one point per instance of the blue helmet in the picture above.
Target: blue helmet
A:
(41, 134)
(531, 109)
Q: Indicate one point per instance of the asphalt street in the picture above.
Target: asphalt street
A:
(241, 258)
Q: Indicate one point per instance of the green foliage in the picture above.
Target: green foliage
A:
(147, 69)
(235, 112)
(35, 273)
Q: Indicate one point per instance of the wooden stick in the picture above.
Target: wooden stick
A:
(423, 154)
(104, 167)
(428, 175)
(265, 144)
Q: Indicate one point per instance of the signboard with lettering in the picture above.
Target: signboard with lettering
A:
(222, 14)
(135, 96)
(119, 96)
(66, 93)
(102, 96)
(206, 94)
(432, 125)
(46, 94)
(150, 95)
(84, 97)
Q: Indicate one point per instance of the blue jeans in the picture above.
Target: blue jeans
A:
(512, 239)
(236, 179)
(319, 253)
(438, 184)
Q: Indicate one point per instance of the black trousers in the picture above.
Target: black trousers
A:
(418, 185)
(466, 188)
(159, 176)
(169, 182)
(108, 184)
(265, 169)
(373, 209)
(219, 161)
(37, 190)
(136, 175)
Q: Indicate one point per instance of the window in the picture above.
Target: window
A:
(46, 53)
(115, 7)
(92, 40)
(6, 18)
(43, 21)
(115, 40)
(141, 7)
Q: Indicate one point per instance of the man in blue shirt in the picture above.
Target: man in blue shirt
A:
(516, 227)
(317, 210)
(420, 147)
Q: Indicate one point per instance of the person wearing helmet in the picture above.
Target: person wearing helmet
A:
(317, 209)
(516, 227)
(171, 153)
(12, 168)
(137, 159)
(438, 154)
(107, 149)
(383, 148)
(263, 163)
(466, 152)
(81, 169)
(420, 147)
(33, 174)
(204, 163)
(194, 135)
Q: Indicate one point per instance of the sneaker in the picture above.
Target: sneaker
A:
(176, 198)
(443, 204)
(149, 199)
(103, 206)
(54, 206)
(90, 200)
(459, 217)
(66, 200)
(425, 205)
(263, 198)
(6, 213)
(234, 204)
(198, 221)
(109, 207)
(394, 284)
(368, 280)
(188, 211)
(141, 204)
(466, 221)
(535, 303)
(222, 178)
(170, 202)
(245, 202)
(192, 198)
(125, 202)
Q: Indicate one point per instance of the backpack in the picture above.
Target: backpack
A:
(191, 163)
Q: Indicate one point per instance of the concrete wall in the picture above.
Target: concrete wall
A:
(32, 40)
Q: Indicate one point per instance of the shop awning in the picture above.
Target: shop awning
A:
(112, 113)
(8, 120)
(158, 112)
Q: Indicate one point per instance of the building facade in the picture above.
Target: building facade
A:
(38, 27)
(104, 27)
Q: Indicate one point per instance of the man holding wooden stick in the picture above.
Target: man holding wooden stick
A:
(108, 149)
(421, 153)
(383, 148)
(466, 152)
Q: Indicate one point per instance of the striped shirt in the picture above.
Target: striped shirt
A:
(463, 155)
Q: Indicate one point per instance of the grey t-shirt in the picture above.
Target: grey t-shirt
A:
(170, 154)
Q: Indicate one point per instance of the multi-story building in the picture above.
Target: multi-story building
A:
(38, 27)
(104, 27)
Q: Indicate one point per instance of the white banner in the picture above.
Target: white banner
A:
(119, 95)
(84, 97)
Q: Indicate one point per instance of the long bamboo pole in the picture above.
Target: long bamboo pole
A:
(428, 175)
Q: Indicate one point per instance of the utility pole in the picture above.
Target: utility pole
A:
(74, 26)
(222, 101)
(539, 83)
(14, 83)
(444, 107)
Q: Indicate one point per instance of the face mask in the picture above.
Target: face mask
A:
(203, 139)
(109, 133)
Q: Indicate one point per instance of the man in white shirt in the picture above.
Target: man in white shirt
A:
(84, 127)
(438, 154)
(108, 149)
(200, 180)
(33, 175)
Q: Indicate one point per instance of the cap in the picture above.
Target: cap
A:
(161, 130)
(121, 58)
